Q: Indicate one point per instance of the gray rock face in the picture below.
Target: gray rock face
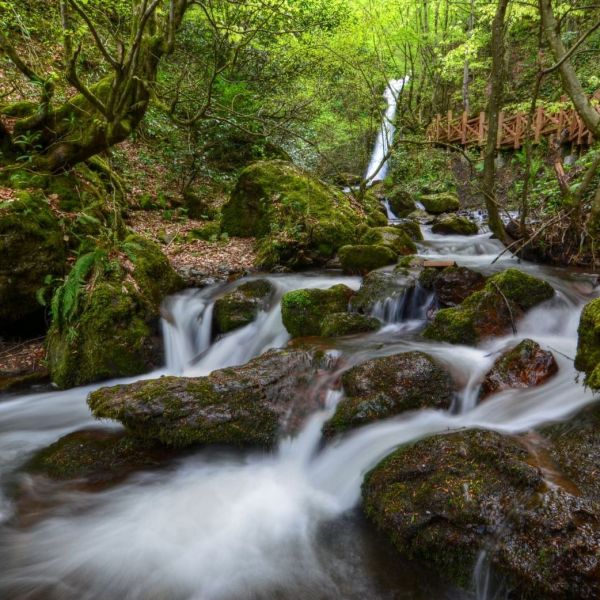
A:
(247, 405)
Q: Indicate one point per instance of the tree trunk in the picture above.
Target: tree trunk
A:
(493, 113)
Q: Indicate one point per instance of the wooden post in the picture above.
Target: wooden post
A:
(481, 139)
(449, 126)
(465, 119)
(518, 130)
(500, 129)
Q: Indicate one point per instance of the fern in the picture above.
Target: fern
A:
(65, 303)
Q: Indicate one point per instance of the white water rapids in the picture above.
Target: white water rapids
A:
(228, 525)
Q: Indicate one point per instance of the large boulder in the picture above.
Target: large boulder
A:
(299, 220)
(588, 344)
(32, 251)
(105, 316)
(361, 258)
(250, 405)
(446, 499)
(443, 202)
(526, 365)
(492, 311)
(386, 386)
(303, 311)
(395, 238)
(240, 307)
(449, 224)
(451, 285)
(401, 201)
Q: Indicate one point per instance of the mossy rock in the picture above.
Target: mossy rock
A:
(451, 285)
(383, 387)
(490, 311)
(345, 323)
(96, 456)
(449, 224)
(303, 311)
(105, 323)
(209, 231)
(447, 498)
(394, 238)
(444, 202)
(401, 201)
(33, 251)
(299, 220)
(524, 366)
(410, 227)
(240, 307)
(588, 344)
(249, 405)
(362, 258)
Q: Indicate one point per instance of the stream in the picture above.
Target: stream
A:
(222, 524)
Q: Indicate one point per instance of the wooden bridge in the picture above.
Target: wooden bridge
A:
(565, 126)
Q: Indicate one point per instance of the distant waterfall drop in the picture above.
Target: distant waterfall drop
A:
(376, 170)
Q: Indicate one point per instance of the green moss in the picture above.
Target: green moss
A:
(453, 224)
(443, 202)
(20, 109)
(32, 250)
(344, 323)
(361, 259)
(588, 344)
(303, 311)
(401, 201)
(299, 220)
(411, 228)
(525, 290)
(240, 307)
(394, 238)
(209, 231)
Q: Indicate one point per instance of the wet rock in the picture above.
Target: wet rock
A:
(379, 286)
(97, 456)
(526, 365)
(588, 344)
(299, 220)
(303, 311)
(401, 202)
(445, 499)
(443, 202)
(421, 216)
(396, 238)
(106, 315)
(362, 259)
(451, 285)
(454, 224)
(32, 251)
(240, 307)
(383, 387)
(345, 323)
(410, 227)
(492, 311)
(249, 405)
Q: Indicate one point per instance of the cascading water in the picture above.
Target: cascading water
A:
(242, 525)
(378, 166)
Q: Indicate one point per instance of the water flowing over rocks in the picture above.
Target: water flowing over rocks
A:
(447, 498)
(249, 405)
(383, 387)
(526, 365)
(492, 311)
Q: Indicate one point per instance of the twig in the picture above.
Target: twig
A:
(512, 320)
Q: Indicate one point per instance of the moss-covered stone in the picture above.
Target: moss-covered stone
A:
(360, 259)
(105, 322)
(345, 323)
(246, 405)
(451, 285)
(96, 456)
(526, 365)
(411, 228)
(454, 224)
(588, 344)
(490, 311)
(299, 220)
(209, 231)
(394, 238)
(240, 307)
(444, 202)
(32, 251)
(401, 201)
(303, 311)
(445, 499)
(383, 387)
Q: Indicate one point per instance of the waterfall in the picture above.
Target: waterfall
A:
(376, 170)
